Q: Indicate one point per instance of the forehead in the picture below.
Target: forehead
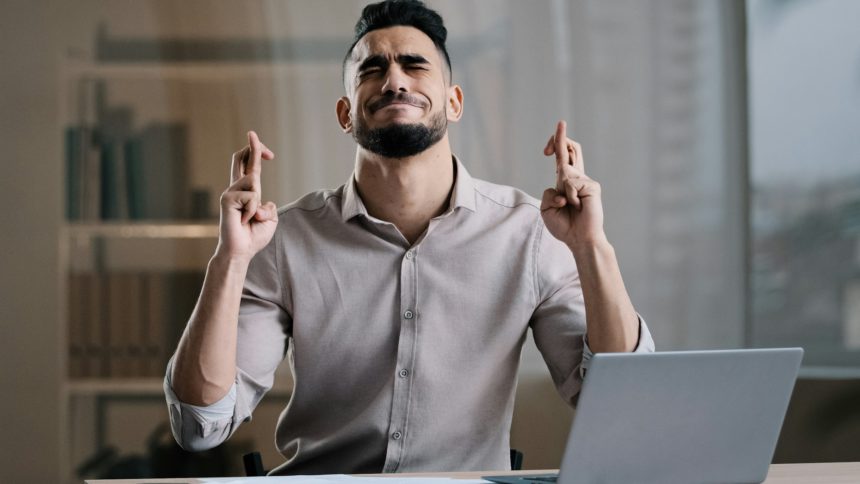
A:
(391, 41)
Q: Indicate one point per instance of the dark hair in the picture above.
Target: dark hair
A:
(411, 13)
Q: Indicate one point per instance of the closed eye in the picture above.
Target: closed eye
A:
(413, 62)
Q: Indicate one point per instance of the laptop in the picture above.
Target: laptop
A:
(677, 417)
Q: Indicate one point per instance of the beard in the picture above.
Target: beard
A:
(401, 140)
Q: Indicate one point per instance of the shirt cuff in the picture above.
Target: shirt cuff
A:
(203, 414)
(644, 345)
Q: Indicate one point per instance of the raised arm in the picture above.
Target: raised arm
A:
(204, 367)
(573, 214)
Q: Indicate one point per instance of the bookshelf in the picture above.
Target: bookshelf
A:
(141, 208)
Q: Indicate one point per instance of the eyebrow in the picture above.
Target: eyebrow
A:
(411, 59)
(378, 60)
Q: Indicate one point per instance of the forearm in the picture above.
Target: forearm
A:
(612, 323)
(205, 364)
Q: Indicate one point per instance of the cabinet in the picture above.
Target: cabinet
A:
(141, 224)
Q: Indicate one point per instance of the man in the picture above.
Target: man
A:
(405, 294)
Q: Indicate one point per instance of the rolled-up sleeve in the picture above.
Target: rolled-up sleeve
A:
(558, 322)
(264, 327)
(644, 345)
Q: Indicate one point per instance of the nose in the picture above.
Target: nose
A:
(395, 80)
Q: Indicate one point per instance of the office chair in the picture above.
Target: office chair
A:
(253, 462)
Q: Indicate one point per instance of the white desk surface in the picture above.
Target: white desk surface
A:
(819, 473)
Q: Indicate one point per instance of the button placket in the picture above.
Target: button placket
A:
(405, 356)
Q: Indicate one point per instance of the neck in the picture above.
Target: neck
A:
(407, 192)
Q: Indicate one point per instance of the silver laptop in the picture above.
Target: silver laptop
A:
(677, 417)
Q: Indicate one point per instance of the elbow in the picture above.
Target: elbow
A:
(193, 437)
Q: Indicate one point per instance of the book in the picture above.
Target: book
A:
(114, 128)
(91, 299)
(127, 323)
(135, 196)
(109, 203)
(133, 340)
(77, 336)
(91, 175)
(163, 174)
(114, 317)
(90, 93)
(74, 145)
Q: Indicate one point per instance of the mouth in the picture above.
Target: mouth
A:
(397, 106)
(399, 101)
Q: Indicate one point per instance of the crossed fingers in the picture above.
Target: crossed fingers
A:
(568, 153)
(247, 161)
(569, 166)
(245, 169)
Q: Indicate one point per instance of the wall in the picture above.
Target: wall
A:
(30, 190)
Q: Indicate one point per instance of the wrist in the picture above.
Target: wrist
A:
(590, 245)
(230, 262)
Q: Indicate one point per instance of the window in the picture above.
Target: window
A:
(804, 101)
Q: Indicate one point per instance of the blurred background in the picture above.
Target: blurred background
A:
(725, 136)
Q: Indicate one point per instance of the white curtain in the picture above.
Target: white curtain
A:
(652, 89)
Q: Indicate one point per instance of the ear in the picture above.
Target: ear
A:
(343, 117)
(454, 106)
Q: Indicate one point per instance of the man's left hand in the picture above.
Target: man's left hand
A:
(572, 211)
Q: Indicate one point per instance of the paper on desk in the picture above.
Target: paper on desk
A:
(338, 479)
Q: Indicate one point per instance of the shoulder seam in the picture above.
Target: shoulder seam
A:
(502, 204)
(287, 208)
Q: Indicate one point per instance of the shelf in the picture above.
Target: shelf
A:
(104, 386)
(141, 387)
(196, 71)
(143, 229)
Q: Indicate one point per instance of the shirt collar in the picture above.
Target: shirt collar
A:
(463, 194)
(352, 204)
(464, 188)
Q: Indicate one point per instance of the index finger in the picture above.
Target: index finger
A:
(252, 165)
(562, 156)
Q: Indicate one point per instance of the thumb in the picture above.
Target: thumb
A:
(267, 154)
(548, 149)
(552, 198)
(268, 211)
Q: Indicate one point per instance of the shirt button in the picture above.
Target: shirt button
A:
(396, 435)
(404, 373)
(408, 314)
(410, 254)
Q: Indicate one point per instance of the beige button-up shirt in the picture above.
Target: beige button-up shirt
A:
(404, 356)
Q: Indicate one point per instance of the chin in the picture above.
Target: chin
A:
(398, 121)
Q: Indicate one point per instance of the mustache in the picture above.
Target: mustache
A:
(400, 97)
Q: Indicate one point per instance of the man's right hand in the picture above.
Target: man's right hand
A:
(247, 225)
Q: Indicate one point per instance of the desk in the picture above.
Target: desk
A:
(825, 473)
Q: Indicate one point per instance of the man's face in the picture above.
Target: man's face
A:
(398, 94)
